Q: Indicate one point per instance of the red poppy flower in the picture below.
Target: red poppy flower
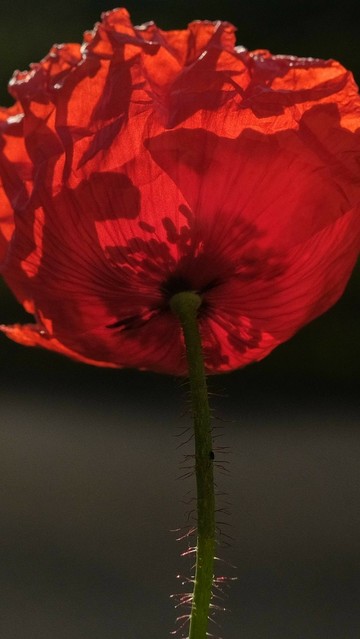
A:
(147, 162)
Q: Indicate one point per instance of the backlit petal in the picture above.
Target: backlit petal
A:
(144, 162)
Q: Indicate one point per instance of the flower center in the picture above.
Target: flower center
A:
(176, 284)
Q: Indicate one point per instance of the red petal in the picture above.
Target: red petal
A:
(146, 161)
(290, 184)
(33, 335)
(253, 317)
(15, 172)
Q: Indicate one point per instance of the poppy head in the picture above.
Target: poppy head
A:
(144, 163)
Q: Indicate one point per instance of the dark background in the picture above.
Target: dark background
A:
(89, 458)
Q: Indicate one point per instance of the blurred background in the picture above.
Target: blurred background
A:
(89, 458)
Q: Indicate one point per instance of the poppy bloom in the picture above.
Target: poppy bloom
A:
(144, 163)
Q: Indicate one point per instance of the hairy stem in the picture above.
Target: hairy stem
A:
(185, 305)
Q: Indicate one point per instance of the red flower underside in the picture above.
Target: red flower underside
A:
(232, 174)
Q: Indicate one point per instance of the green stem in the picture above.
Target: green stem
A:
(185, 305)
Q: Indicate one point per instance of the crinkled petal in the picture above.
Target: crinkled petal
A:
(145, 162)
(15, 172)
